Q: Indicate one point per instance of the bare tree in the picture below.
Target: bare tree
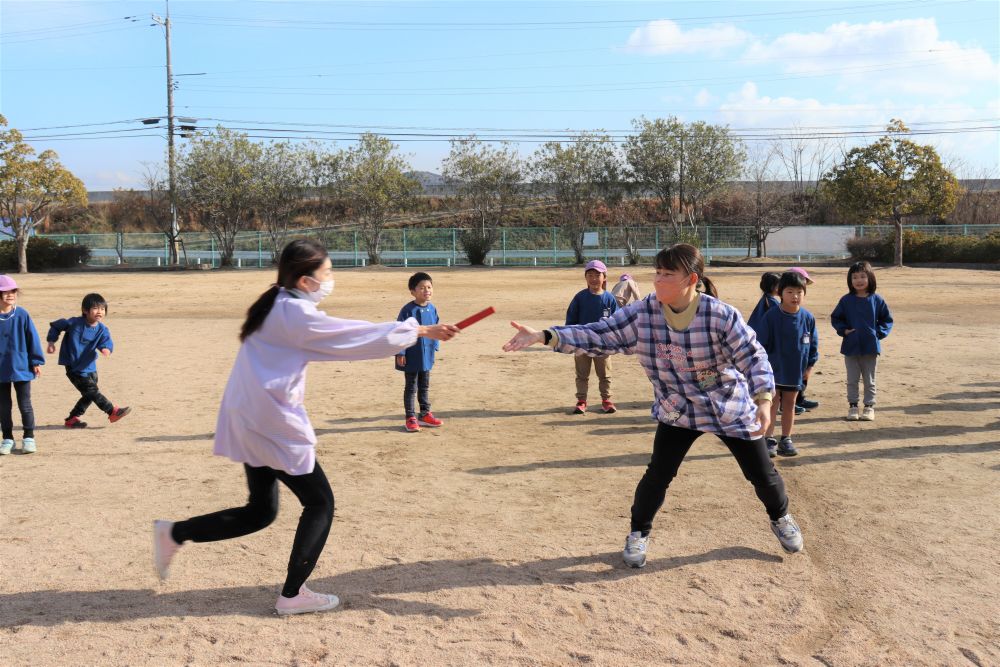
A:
(283, 176)
(490, 180)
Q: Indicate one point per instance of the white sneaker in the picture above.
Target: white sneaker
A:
(28, 446)
(164, 547)
(868, 414)
(788, 533)
(852, 413)
(305, 602)
(635, 549)
(6, 446)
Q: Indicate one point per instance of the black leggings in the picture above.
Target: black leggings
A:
(313, 491)
(86, 384)
(418, 385)
(670, 446)
(23, 391)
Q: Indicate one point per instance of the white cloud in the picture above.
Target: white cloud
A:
(748, 109)
(665, 36)
(703, 98)
(906, 56)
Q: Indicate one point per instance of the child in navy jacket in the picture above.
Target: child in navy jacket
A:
(418, 359)
(588, 306)
(788, 334)
(85, 337)
(21, 362)
(863, 319)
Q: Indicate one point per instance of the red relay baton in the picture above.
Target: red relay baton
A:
(469, 321)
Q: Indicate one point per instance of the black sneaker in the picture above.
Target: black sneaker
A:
(581, 407)
(772, 447)
(807, 404)
(799, 409)
(786, 448)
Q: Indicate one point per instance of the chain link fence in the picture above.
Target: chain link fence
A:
(515, 246)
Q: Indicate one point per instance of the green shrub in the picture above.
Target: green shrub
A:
(919, 247)
(43, 254)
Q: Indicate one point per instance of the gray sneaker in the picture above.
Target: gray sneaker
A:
(635, 549)
(772, 447)
(788, 533)
(786, 447)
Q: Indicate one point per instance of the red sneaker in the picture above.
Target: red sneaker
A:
(608, 406)
(411, 424)
(118, 413)
(581, 407)
(428, 419)
(74, 422)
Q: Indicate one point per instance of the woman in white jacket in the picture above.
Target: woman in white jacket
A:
(263, 424)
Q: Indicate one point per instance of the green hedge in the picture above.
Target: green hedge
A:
(44, 254)
(919, 247)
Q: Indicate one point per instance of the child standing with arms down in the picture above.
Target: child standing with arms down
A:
(85, 337)
(709, 375)
(768, 300)
(21, 361)
(416, 362)
(591, 305)
(863, 319)
(788, 334)
(263, 423)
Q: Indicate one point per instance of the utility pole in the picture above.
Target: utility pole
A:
(171, 178)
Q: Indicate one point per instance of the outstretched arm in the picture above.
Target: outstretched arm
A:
(525, 337)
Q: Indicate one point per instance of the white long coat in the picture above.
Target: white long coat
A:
(262, 420)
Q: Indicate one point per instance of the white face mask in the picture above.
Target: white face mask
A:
(325, 290)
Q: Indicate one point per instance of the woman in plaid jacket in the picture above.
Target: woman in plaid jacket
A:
(709, 375)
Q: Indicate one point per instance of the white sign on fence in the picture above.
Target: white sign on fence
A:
(591, 239)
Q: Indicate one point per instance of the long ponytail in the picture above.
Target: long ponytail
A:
(301, 257)
(687, 258)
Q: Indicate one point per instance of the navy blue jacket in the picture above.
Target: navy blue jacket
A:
(766, 303)
(587, 307)
(78, 352)
(20, 347)
(791, 344)
(870, 318)
(420, 355)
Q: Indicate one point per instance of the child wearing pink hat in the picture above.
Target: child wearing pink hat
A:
(21, 361)
(590, 305)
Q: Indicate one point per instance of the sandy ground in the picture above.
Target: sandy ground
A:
(496, 539)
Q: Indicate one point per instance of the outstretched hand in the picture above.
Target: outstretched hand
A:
(764, 417)
(439, 331)
(525, 337)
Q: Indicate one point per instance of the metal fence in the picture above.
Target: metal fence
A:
(515, 246)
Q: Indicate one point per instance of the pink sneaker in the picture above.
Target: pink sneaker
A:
(164, 547)
(305, 602)
(428, 419)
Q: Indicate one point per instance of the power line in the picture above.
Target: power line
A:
(504, 25)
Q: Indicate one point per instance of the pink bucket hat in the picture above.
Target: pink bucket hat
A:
(595, 265)
(802, 272)
(7, 283)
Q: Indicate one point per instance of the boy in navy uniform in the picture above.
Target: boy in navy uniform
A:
(417, 360)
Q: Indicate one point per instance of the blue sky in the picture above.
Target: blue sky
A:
(521, 70)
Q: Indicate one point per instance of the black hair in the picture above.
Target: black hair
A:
(685, 257)
(791, 279)
(93, 300)
(418, 278)
(301, 257)
(768, 281)
(861, 267)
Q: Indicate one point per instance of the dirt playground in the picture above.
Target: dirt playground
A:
(496, 540)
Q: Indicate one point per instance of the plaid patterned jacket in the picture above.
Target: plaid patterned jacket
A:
(703, 378)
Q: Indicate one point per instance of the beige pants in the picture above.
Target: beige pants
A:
(603, 367)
